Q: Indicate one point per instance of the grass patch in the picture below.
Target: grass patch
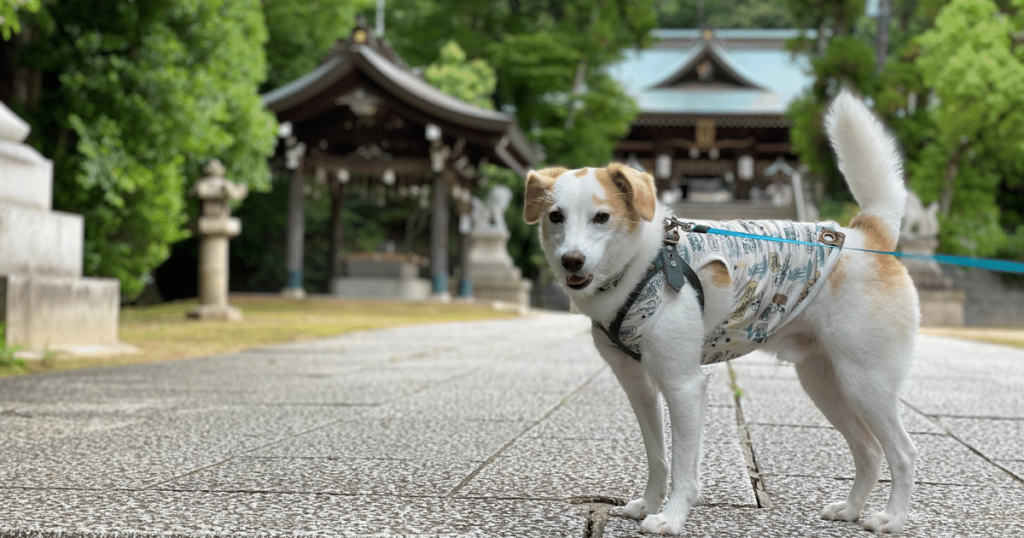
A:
(1003, 337)
(163, 333)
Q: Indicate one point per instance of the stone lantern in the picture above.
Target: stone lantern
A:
(216, 226)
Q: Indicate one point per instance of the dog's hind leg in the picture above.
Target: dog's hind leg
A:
(875, 395)
(865, 379)
(817, 375)
(644, 398)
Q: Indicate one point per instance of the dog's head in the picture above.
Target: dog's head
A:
(589, 219)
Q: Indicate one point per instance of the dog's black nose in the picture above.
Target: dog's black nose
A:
(573, 261)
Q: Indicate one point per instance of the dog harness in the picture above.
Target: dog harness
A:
(772, 281)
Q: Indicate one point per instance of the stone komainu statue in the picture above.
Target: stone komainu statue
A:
(489, 215)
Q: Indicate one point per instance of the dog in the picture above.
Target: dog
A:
(850, 318)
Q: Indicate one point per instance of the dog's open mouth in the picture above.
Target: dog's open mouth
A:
(578, 282)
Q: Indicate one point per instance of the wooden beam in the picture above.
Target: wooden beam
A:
(400, 165)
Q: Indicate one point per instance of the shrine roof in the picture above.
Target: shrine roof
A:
(374, 60)
(745, 72)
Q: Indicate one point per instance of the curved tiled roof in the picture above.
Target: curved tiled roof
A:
(514, 149)
(769, 76)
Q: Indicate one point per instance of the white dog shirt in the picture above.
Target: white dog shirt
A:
(772, 281)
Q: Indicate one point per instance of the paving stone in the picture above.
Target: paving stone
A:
(936, 510)
(577, 468)
(961, 398)
(115, 453)
(367, 433)
(1014, 466)
(995, 439)
(119, 513)
(783, 402)
(435, 477)
(423, 437)
(822, 452)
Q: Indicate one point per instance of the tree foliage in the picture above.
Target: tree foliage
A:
(9, 22)
(723, 14)
(549, 58)
(951, 89)
(472, 81)
(302, 32)
(134, 99)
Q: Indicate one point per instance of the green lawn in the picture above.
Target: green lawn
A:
(163, 333)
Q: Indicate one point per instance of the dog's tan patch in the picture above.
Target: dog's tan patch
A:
(616, 200)
(582, 172)
(630, 192)
(890, 271)
(838, 276)
(538, 192)
(720, 274)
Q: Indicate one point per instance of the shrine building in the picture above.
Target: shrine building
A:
(363, 121)
(712, 117)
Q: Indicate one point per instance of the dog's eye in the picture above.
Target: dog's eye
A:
(601, 218)
(556, 217)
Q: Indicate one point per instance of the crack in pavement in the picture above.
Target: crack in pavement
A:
(747, 446)
(509, 444)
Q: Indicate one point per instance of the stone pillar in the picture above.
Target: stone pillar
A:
(45, 302)
(216, 226)
(439, 222)
(465, 245)
(296, 235)
(336, 261)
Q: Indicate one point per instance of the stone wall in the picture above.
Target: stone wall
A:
(991, 300)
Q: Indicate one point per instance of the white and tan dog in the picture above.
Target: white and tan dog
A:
(851, 344)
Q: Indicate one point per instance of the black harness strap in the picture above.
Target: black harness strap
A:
(677, 273)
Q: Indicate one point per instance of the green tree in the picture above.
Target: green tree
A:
(723, 14)
(134, 99)
(9, 23)
(550, 59)
(472, 81)
(973, 154)
(302, 32)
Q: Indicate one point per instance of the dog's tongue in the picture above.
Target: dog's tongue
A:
(573, 280)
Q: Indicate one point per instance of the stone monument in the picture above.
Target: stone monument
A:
(45, 303)
(941, 303)
(491, 269)
(216, 227)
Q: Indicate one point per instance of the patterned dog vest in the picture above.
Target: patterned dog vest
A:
(772, 281)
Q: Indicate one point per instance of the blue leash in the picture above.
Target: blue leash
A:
(1005, 266)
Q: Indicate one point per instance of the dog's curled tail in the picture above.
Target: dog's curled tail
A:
(868, 159)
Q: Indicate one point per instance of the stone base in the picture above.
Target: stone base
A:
(213, 312)
(941, 308)
(44, 313)
(118, 348)
(293, 293)
(381, 287)
(34, 242)
(508, 291)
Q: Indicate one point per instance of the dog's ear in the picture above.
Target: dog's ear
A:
(538, 188)
(636, 187)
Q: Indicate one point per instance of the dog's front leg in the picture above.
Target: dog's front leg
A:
(684, 386)
(644, 398)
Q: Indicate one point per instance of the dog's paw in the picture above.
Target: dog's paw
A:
(884, 522)
(638, 508)
(840, 512)
(662, 524)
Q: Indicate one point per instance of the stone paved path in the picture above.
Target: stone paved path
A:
(497, 428)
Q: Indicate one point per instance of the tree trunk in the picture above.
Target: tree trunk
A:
(952, 169)
(581, 71)
(337, 231)
(882, 44)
